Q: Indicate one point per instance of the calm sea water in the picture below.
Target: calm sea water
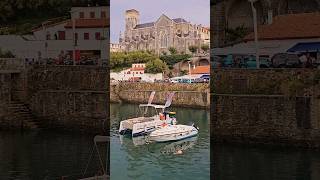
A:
(133, 159)
(45, 155)
(239, 162)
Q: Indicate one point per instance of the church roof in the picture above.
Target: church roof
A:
(150, 24)
(144, 25)
(179, 20)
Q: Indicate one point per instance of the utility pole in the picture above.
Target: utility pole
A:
(255, 26)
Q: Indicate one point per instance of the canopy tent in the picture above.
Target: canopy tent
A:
(305, 47)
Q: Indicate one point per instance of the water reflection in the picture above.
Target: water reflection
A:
(165, 148)
(235, 162)
(137, 158)
(45, 155)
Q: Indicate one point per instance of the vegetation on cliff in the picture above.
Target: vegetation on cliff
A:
(123, 60)
(20, 16)
(6, 54)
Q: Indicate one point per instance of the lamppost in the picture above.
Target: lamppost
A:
(74, 39)
(189, 67)
(255, 27)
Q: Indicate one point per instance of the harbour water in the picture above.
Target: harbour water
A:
(240, 162)
(46, 155)
(134, 159)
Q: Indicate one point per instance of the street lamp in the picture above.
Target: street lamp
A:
(43, 24)
(255, 27)
(74, 40)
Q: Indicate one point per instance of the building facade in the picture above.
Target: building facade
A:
(135, 73)
(86, 34)
(230, 14)
(162, 34)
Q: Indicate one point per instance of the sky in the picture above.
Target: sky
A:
(194, 11)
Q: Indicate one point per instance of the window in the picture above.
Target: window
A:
(164, 41)
(86, 36)
(61, 35)
(92, 15)
(98, 36)
(48, 36)
(81, 15)
(103, 14)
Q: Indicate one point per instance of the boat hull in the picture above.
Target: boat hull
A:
(182, 132)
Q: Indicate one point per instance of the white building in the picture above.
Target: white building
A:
(135, 73)
(90, 26)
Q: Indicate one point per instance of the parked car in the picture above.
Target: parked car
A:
(205, 77)
(216, 62)
(286, 60)
(251, 63)
(245, 61)
(68, 62)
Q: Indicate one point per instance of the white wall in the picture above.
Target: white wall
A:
(41, 34)
(104, 32)
(267, 47)
(30, 48)
(122, 76)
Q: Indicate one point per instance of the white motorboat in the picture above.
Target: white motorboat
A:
(144, 125)
(173, 133)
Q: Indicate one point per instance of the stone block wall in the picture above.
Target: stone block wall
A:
(265, 81)
(186, 95)
(271, 106)
(70, 97)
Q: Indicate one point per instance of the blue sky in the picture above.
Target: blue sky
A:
(195, 11)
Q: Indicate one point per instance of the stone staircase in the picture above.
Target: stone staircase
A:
(22, 113)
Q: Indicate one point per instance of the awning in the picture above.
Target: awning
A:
(305, 47)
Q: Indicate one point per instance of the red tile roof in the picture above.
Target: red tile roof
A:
(50, 24)
(89, 23)
(137, 69)
(201, 70)
(292, 26)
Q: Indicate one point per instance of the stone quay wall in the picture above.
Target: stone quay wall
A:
(71, 97)
(186, 95)
(64, 97)
(5, 95)
(266, 106)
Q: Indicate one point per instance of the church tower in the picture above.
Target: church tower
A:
(132, 19)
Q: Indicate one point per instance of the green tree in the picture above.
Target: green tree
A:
(170, 60)
(172, 50)
(193, 49)
(122, 60)
(233, 35)
(156, 66)
(205, 47)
